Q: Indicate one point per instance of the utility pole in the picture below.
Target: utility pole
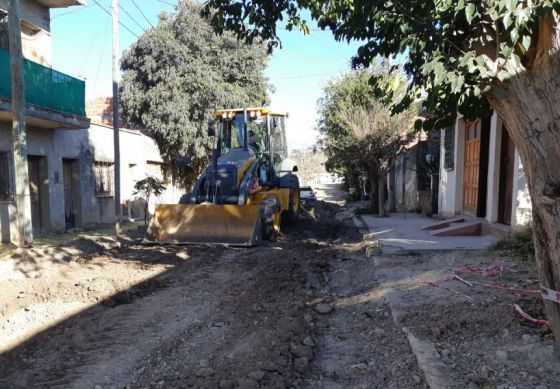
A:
(116, 131)
(19, 133)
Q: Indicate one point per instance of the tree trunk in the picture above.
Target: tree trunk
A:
(531, 113)
(381, 194)
(352, 182)
(373, 191)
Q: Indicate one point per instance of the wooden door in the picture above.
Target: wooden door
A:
(505, 197)
(35, 193)
(471, 167)
(69, 193)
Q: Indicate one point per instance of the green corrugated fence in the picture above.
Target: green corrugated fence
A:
(45, 87)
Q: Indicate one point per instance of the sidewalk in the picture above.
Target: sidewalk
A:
(403, 232)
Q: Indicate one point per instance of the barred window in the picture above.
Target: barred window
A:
(104, 178)
(6, 190)
(449, 145)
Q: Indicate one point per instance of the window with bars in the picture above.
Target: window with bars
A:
(449, 145)
(103, 178)
(6, 190)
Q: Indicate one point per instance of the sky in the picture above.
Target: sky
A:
(82, 45)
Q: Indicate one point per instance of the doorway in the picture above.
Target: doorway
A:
(505, 194)
(477, 149)
(471, 167)
(38, 192)
(71, 181)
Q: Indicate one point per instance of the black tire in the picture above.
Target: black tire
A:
(267, 223)
(268, 232)
(291, 215)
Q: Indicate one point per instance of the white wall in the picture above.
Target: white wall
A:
(494, 158)
(35, 47)
(139, 156)
(450, 181)
(521, 215)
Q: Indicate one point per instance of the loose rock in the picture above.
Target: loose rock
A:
(256, 375)
(323, 308)
(226, 384)
(247, 383)
(301, 364)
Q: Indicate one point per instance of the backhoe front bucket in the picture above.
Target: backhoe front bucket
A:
(236, 225)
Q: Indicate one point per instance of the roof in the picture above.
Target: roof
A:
(60, 3)
(263, 110)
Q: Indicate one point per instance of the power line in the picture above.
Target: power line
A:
(304, 76)
(132, 18)
(72, 11)
(168, 3)
(109, 13)
(142, 13)
(328, 46)
(100, 59)
(90, 48)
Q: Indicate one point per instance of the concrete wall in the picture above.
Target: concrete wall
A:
(37, 46)
(139, 157)
(451, 180)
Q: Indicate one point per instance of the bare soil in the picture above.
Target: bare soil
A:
(307, 311)
(100, 312)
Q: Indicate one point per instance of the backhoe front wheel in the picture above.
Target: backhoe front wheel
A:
(291, 215)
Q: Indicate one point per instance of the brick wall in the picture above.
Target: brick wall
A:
(100, 110)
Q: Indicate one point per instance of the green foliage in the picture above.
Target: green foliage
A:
(146, 188)
(520, 244)
(456, 52)
(359, 132)
(178, 74)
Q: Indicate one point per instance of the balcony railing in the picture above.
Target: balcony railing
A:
(45, 87)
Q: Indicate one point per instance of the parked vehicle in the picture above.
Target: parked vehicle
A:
(243, 193)
(307, 193)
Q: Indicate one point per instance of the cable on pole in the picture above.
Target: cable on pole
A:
(142, 13)
(132, 18)
(109, 13)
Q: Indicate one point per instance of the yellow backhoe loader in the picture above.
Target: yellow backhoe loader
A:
(242, 196)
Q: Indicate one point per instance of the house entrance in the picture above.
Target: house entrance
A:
(471, 167)
(475, 178)
(38, 191)
(71, 180)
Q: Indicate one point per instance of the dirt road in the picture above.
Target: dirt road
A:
(94, 313)
(308, 311)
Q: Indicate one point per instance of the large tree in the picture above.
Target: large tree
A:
(360, 133)
(178, 74)
(468, 56)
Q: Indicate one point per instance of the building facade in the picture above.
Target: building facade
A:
(410, 184)
(70, 160)
(481, 174)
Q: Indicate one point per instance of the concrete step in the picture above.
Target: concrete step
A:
(460, 229)
(444, 223)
